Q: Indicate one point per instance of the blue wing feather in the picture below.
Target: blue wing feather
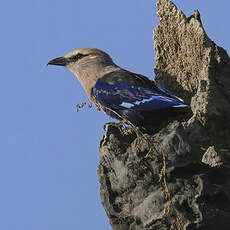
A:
(136, 98)
(124, 96)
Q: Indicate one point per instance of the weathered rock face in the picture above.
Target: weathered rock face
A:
(178, 177)
(194, 68)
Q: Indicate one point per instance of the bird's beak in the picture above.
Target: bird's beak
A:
(59, 61)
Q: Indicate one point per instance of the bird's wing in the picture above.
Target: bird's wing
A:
(124, 91)
(124, 76)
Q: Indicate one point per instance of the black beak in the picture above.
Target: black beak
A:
(59, 61)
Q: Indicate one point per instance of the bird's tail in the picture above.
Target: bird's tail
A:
(166, 114)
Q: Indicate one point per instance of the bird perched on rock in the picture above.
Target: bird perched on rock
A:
(120, 93)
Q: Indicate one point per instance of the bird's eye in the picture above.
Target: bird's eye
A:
(78, 56)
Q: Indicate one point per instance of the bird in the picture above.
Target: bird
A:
(121, 94)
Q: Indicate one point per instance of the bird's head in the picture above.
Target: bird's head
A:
(87, 64)
(80, 58)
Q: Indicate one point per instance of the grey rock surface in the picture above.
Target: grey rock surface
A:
(179, 176)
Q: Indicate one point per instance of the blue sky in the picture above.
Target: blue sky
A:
(49, 152)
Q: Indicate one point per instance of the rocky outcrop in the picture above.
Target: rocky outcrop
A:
(179, 176)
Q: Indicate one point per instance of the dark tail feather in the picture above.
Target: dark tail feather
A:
(157, 117)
